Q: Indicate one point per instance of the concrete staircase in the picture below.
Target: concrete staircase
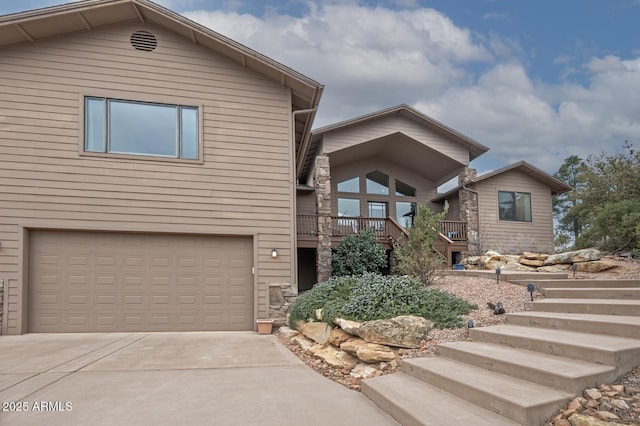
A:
(584, 333)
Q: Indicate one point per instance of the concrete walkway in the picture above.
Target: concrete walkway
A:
(217, 378)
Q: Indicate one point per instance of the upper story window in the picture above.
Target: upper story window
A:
(377, 183)
(141, 128)
(514, 206)
(349, 185)
(402, 189)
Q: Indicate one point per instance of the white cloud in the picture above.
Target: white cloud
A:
(372, 58)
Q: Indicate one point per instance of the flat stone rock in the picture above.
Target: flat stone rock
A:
(515, 266)
(304, 343)
(368, 352)
(532, 262)
(334, 357)
(338, 336)
(317, 331)
(363, 371)
(595, 266)
(404, 331)
(287, 332)
(349, 326)
(582, 420)
(585, 255)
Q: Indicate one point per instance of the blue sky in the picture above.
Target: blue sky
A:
(533, 80)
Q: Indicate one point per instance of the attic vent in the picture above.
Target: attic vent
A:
(144, 41)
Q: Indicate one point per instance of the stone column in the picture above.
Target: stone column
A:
(323, 210)
(469, 210)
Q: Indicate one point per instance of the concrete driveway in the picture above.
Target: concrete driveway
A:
(217, 378)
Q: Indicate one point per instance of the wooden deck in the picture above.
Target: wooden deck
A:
(452, 237)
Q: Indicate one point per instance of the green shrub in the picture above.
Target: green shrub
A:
(378, 297)
(326, 295)
(357, 254)
(416, 256)
(371, 296)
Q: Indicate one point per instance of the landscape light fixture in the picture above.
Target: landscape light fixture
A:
(531, 288)
(498, 271)
(274, 253)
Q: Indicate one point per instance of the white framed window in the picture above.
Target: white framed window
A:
(119, 126)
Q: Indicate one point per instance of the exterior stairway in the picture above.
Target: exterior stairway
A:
(584, 333)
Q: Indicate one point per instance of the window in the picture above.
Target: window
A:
(402, 189)
(377, 209)
(377, 183)
(350, 185)
(141, 128)
(348, 207)
(514, 206)
(405, 212)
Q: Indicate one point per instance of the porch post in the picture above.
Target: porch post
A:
(323, 212)
(469, 209)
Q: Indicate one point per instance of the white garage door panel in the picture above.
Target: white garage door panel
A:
(84, 282)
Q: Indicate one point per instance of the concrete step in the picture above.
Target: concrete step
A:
(621, 352)
(579, 283)
(612, 325)
(566, 374)
(588, 306)
(413, 402)
(524, 402)
(625, 293)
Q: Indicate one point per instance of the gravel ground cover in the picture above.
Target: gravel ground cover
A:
(480, 291)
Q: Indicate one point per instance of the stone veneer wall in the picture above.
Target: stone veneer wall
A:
(281, 297)
(469, 210)
(323, 211)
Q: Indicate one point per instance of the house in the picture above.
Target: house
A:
(147, 169)
(158, 176)
(510, 210)
(372, 171)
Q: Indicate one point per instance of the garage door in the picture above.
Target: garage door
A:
(91, 281)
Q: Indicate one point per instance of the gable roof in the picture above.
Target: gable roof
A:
(40, 24)
(475, 148)
(557, 186)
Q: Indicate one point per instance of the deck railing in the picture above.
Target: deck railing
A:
(454, 230)
(383, 227)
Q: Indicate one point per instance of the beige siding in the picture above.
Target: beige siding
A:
(244, 185)
(306, 202)
(513, 236)
(353, 135)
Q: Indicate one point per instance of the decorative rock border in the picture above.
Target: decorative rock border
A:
(586, 260)
(365, 349)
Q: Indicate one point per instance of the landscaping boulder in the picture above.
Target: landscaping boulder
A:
(368, 352)
(585, 255)
(349, 326)
(532, 262)
(595, 266)
(334, 357)
(364, 371)
(338, 336)
(404, 331)
(554, 268)
(515, 266)
(317, 331)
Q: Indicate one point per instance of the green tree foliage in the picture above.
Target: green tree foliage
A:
(371, 296)
(357, 254)
(417, 257)
(605, 202)
(567, 206)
